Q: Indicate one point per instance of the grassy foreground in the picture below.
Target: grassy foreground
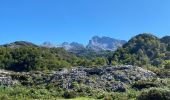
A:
(80, 98)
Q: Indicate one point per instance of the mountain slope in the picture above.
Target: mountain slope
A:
(143, 49)
(18, 44)
(25, 56)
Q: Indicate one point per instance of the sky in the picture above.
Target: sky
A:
(60, 21)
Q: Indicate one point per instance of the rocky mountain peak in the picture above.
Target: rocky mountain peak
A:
(72, 46)
(104, 43)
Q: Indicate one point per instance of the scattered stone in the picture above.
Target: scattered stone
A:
(108, 78)
(113, 77)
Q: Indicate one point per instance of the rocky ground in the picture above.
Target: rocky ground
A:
(107, 78)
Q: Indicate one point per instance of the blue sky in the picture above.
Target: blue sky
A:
(57, 21)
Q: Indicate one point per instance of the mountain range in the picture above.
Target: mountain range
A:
(95, 44)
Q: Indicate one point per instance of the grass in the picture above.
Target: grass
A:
(41, 93)
(83, 98)
(79, 98)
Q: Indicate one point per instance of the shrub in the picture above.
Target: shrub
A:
(119, 96)
(167, 66)
(155, 94)
(4, 97)
(162, 73)
(100, 96)
(108, 97)
(144, 84)
(69, 94)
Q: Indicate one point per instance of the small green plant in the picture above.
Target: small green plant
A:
(69, 94)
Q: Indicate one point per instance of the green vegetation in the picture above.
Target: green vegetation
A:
(34, 58)
(155, 94)
(30, 89)
(40, 92)
(144, 50)
(29, 58)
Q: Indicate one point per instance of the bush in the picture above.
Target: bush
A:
(100, 96)
(155, 94)
(119, 96)
(69, 94)
(4, 97)
(144, 84)
(167, 66)
(108, 97)
(161, 72)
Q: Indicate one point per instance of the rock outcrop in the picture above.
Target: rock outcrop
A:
(6, 79)
(108, 78)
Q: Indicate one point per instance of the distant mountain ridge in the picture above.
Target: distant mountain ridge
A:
(72, 46)
(18, 44)
(104, 43)
(96, 44)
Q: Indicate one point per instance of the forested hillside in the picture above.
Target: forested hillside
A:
(24, 56)
(144, 49)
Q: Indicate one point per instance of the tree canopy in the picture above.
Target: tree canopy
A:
(144, 49)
